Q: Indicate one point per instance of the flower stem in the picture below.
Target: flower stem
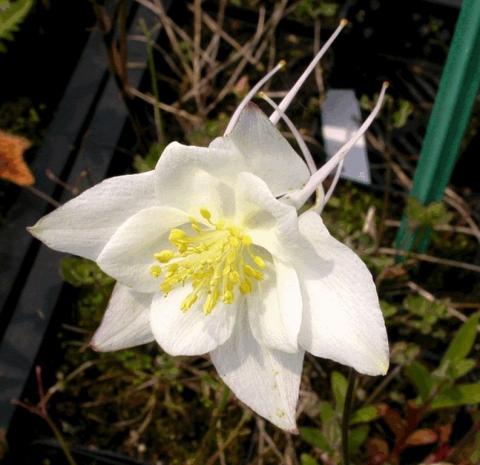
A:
(153, 78)
(347, 407)
(61, 441)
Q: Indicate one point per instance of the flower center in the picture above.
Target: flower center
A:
(217, 259)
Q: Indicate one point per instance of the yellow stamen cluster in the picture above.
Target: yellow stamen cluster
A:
(217, 259)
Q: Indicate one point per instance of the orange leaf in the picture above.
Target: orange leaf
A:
(444, 433)
(422, 437)
(12, 165)
(395, 422)
(377, 450)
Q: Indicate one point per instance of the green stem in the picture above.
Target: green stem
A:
(200, 455)
(347, 407)
(63, 444)
(153, 78)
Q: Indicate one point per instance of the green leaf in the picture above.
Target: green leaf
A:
(11, 16)
(315, 438)
(462, 342)
(81, 272)
(388, 309)
(339, 389)
(426, 215)
(149, 161)
(327, 413)
(306, 459)
(357, 437)
(463, 394)
(364, 415)
(461, 368)
(400, 116)
(421, 378)
(311, 9)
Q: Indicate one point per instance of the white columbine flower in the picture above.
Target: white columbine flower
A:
(208, 258)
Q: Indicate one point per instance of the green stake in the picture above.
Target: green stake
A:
(448, 122)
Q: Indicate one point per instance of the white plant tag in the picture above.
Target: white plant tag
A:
(341, 117)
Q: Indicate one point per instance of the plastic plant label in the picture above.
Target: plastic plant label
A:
(341, 116)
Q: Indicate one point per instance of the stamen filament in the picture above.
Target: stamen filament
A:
(287, 100)
(217, 260)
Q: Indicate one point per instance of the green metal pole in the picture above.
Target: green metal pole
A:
(450, 116)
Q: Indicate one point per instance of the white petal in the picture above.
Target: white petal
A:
(128, 255)
(271, 223)
(266, 380)
(342, 319)
(84, 224)
(191, 332)
(266, 152)
(190, 177)
(126, 322)
(275, 309)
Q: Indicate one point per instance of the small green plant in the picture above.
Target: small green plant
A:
(12, 14)
(439, 388)
(326, 439)
(313, 9)
(148, 162)
(427, 216)
(79, 272)
(437, 391)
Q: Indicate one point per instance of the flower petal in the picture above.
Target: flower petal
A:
(128, 254)
(126, 321)
(266, 380)
(342, 319)
(271, 223)
(189, 177)
(191, 332)
(275, 309)
(84, 224)
(266, 152)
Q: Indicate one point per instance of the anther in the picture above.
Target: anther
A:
(234, 277)
(210, 302)
(155, 271)
(176, 235)
(259, 261)
(245, 287)
(189, 301)
(164, 256)
(252, 272)
(206, 214)
(227, 297)
(211, 261)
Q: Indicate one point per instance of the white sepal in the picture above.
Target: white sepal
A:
(266, 153)
(84, 224)
(126, 322)
(266, 380)
(342, 319)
